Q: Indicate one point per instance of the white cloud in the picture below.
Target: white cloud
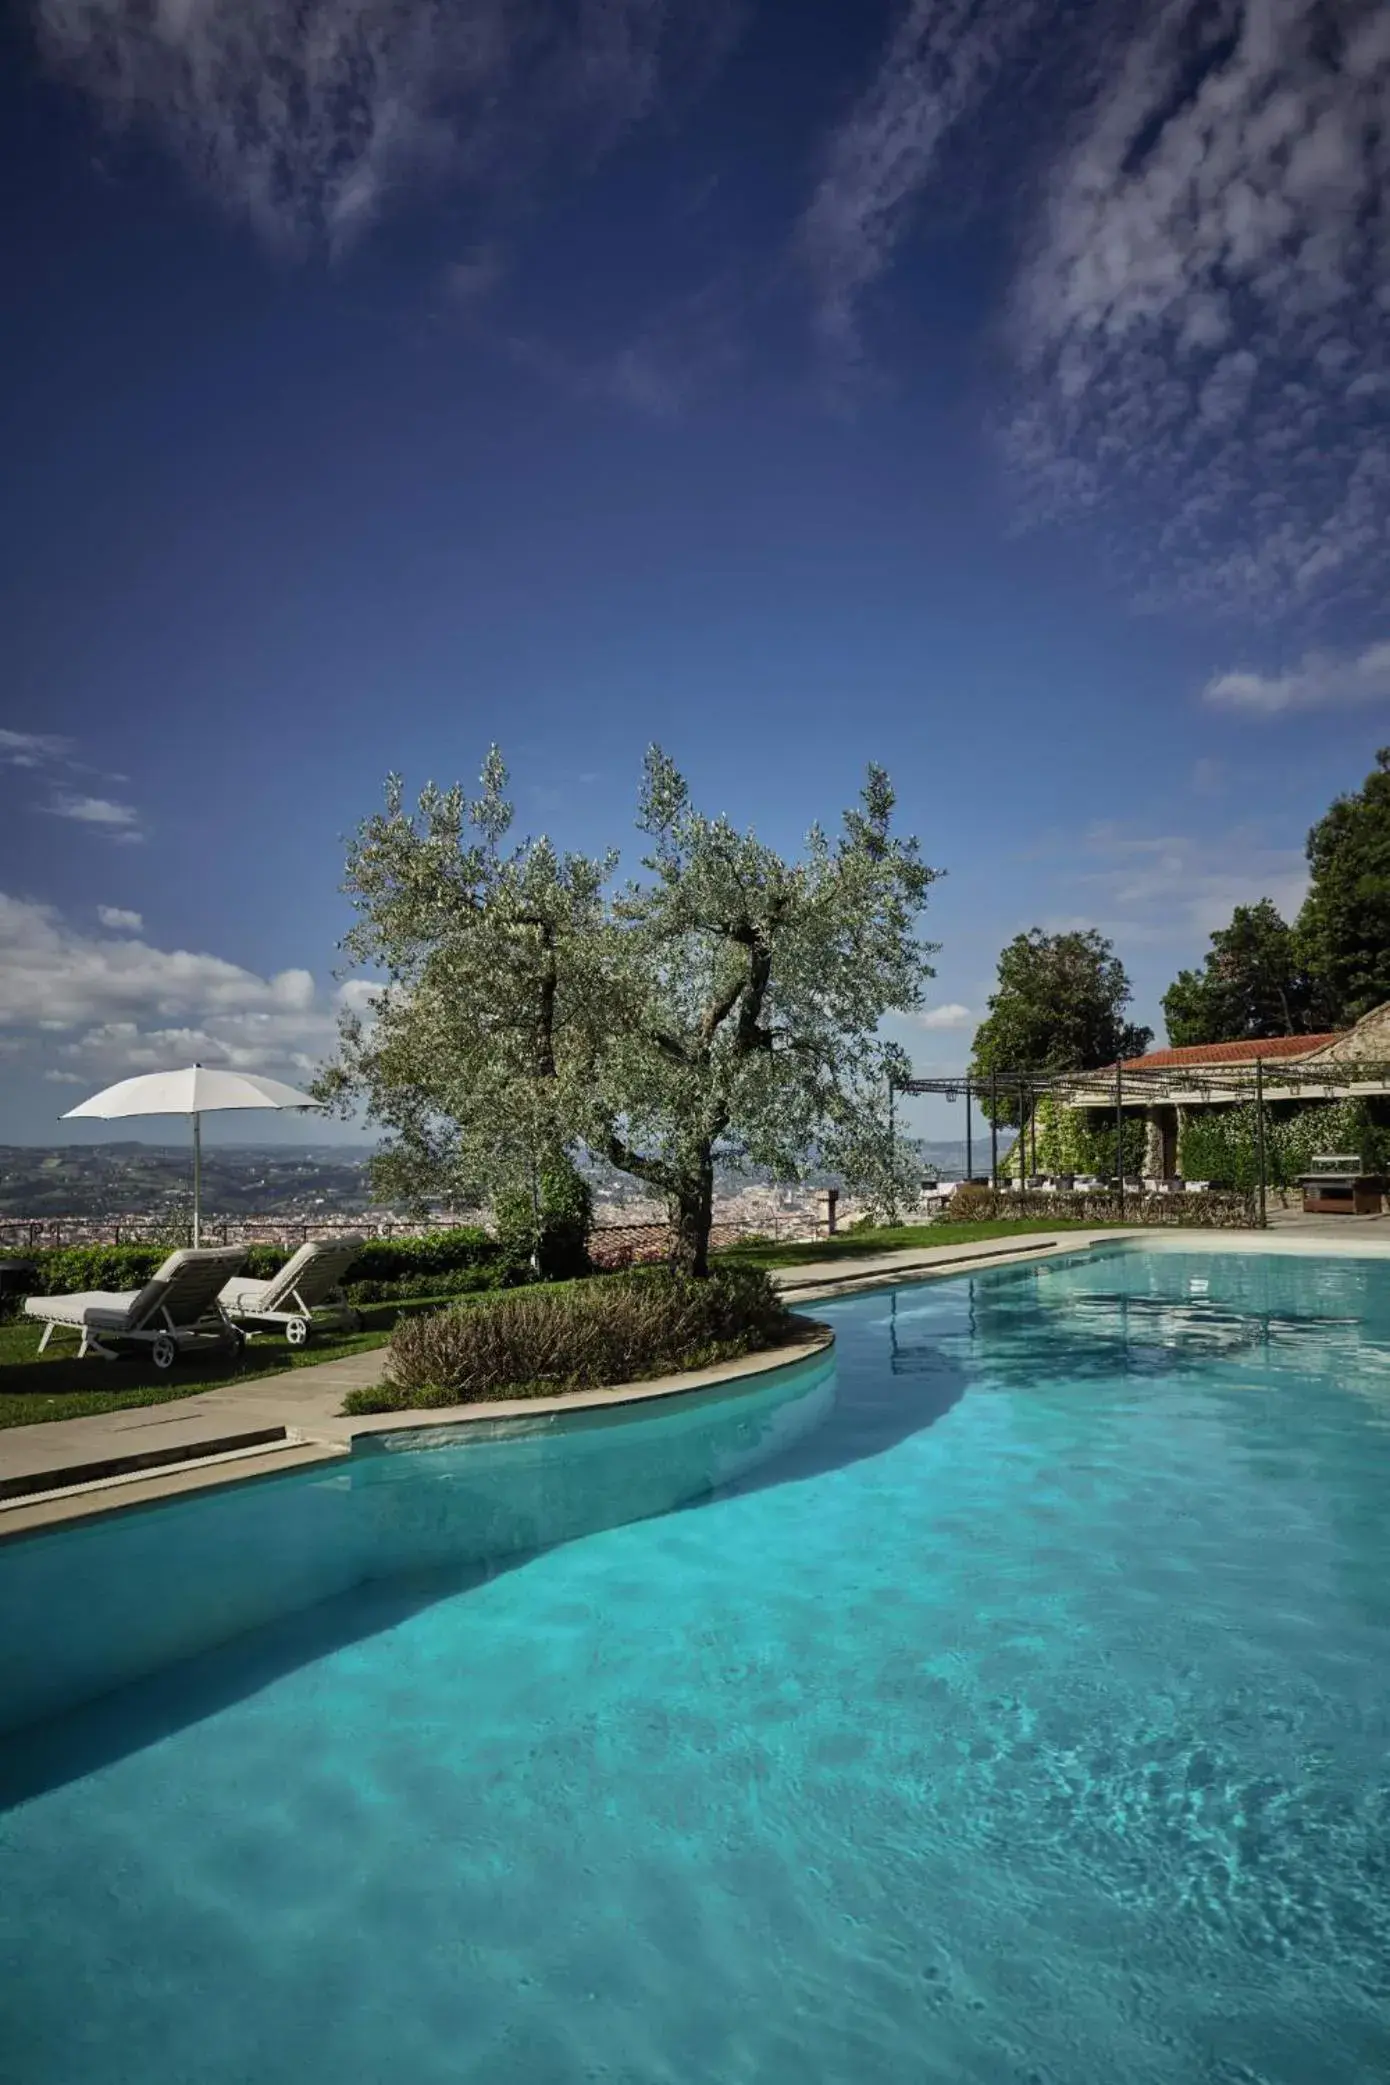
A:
(1319, 681)
(112, 1004)
(470, 282)
(65, 1078)
(30, 748)
(116, 820)
(951, 1016)
(938, 64)
(119, 920)
(359, 993)
(310, 121)
(1202, 331)
(1173, 889)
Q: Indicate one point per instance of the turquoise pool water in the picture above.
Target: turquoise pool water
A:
(1022, 1722)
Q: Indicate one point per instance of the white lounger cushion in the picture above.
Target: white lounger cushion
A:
(314, 1272)
(185, 1288)
(104, 1308)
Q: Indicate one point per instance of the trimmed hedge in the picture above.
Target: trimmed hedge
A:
(585, 1335)
(1221, 1210)
(438, 1263)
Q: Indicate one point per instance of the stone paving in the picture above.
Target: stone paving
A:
(307, 1402)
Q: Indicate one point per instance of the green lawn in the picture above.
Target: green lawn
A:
(850, 1245)
(56, 1385)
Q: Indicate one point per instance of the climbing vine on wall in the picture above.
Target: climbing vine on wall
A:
(1076, 1140)
(1220, 1143)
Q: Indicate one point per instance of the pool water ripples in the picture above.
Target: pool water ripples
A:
(1025, 1723)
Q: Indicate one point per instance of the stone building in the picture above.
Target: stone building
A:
(1165, 1085)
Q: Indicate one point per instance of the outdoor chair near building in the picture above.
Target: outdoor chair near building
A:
(177, 1312)
(306, 1295)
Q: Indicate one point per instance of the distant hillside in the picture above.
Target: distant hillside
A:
(131, 1179)
(948, 1159)
(134, 1179)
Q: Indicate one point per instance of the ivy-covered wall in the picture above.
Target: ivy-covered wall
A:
(1220, 1144)
(1076, 1140)
(1215, 1143)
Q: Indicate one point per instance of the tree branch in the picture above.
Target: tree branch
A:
(751, 1033)
(671, 1047)
(626, 1160)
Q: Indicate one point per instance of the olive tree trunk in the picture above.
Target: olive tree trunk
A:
(692, 1214)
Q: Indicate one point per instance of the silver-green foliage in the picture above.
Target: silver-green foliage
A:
(725, 1002)
(476, 1050)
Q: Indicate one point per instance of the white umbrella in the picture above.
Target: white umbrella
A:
(197, 1091)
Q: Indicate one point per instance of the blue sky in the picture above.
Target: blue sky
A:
(995, 390)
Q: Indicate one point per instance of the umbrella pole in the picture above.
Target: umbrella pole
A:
(197, 1180)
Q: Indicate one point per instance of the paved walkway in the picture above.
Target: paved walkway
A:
(306, 1403)
(279, 1420)
(1292, 1223)
(821, 1278)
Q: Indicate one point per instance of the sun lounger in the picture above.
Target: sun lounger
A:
(176, 1312)
(306, 1292)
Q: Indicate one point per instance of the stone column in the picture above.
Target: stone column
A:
(1153, 1144)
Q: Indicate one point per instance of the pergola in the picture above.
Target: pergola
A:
(1127, 1087)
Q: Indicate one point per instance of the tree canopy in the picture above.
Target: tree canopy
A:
(1252, 983)
(724, 1002)
(1059, 1006)
(1344, 928)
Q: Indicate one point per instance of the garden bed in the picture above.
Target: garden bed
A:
(581, 1335)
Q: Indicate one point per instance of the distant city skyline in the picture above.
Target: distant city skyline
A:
(996, 391)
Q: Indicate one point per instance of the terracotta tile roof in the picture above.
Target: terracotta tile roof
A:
(1232, 1052)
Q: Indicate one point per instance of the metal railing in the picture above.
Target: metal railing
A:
(31, 1234)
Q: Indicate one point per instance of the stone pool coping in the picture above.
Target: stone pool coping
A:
(65, 1472)
(75, 1500)
(298, 1414)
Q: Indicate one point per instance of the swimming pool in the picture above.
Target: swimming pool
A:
(1023, 1719)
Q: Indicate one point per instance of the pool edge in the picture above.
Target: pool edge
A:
(340, 1439)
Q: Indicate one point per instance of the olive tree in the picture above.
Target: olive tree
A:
(751, 992)
(723, 1004)
(473, 1047)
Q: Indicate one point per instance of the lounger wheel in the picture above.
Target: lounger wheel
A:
(297, 1332)
(164, 1353)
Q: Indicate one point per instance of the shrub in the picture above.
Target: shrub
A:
(460, 1281)
(565, 1208)
(63, 1268)
(1226, 1209)
(435, 1252)
(539, 1342)
(439, 1263)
